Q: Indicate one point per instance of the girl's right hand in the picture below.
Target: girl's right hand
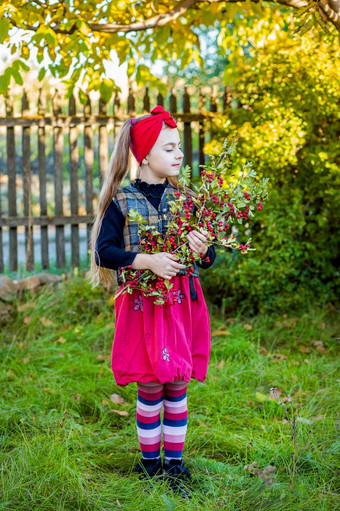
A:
(165, 265)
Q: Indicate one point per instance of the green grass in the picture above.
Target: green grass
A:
(85, 461)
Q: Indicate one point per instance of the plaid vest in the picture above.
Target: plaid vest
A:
(129, 197)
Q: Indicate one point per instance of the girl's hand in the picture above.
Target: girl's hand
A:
(165, 265)
(197, 242)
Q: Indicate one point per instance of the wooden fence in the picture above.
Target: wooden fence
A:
(61, 127)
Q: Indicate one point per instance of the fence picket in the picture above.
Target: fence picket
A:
(12, 190)
(173, 103)
(201, 133)
(42, 182)
(88, 161)
(73, 169)
(58, 145)
(102, 143)
(146, 101)
(27, 185)
(187, 130)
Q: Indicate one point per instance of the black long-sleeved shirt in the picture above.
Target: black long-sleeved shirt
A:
(110, 241)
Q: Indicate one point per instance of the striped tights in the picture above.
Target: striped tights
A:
(150, 399)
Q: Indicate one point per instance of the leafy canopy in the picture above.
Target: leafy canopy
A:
(74, 40)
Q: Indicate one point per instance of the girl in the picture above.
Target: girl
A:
(161, 347)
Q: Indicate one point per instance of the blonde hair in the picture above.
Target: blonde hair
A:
(117, 170)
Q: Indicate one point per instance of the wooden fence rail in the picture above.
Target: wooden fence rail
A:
(64, 132)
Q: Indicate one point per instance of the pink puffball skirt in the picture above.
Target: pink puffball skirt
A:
(161, 343)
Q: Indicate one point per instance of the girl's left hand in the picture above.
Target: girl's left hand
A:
(197, 241)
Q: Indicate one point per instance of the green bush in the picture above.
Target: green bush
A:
(288, 126)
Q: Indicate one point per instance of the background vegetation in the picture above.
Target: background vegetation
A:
(289, 127)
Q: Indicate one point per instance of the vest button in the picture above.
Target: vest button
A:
(164, 210)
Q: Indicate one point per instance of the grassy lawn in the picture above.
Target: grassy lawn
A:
(67, 445)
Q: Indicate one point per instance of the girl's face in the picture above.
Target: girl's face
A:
(165, 158)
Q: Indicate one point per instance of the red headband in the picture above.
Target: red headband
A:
(144, 133)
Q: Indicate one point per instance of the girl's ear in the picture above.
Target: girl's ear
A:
(145, 161)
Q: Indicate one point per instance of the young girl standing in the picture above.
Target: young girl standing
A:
(160, 347)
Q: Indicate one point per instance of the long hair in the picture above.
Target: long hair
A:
(118, 168)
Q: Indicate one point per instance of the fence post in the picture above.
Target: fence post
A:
(58, 144)
(146, 101)
(160, 100)
(116, 113)
(213, 109)
(201, 137)
(102, 144)
(42, 182)
(12, 190)
(173, 103)
(187, 131)
(74, 188)
(227, 97)
(131, 109)
(26, 167)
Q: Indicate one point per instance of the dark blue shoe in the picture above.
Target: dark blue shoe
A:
(177, 475)
(149, 467)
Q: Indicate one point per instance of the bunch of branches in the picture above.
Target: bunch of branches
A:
(217, 206)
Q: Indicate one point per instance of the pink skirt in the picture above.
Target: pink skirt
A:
(161, 343)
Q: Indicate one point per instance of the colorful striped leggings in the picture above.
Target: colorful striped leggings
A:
(150, 398)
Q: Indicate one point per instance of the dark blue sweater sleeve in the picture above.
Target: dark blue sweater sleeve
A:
(211, 254)
(109, 251)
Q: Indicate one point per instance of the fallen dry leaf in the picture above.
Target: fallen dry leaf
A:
(109, 325)
(24, 307)
(306, 361)
(263, 350)
(26, 360)
(317, 343)
(103, 357)
(277, 323)
(291, 322)
(279, 356)
(100, 374)
(116, 398)
(48, 390)
(61, 340)
(61, 354)
(27, 320)
(322, 325)
(321, 349)
(304, 349)
(247, 327)
(275, 393)
(220, 364)
(46, 321)
(76, 397)
(123, 413)
(220, 333)
(318, 418)
(105, 402)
